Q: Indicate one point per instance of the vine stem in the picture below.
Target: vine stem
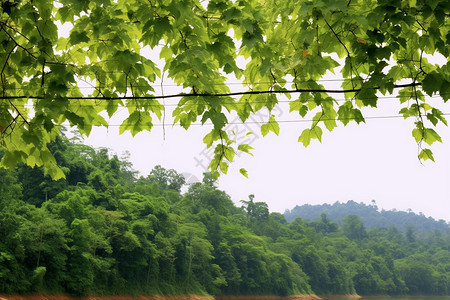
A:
(346, 50)
(413, 84)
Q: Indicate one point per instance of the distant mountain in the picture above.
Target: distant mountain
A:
(369, 214)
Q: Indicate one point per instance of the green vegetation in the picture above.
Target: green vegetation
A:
(278, 50)
(371, 215)
(101, 230)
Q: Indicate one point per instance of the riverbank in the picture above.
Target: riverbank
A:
(178, 297)
(110, 297)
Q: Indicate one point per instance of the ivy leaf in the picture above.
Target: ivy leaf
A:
(243, 172)
(316, 133)
(368, 97)
(245, 148)
(308, 134)
(136, 122)
(432, 83)
(431, 136)
(417, 134)
(445, 89)
(426, 154)
(439, 115)
(11, 158)
(212, 136)
(76, 37)
(347, 113)
(303, 110)
(272, 125)
(224, 167)
(305, 137)
(218, 119)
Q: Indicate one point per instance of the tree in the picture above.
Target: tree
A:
(353, 227)
(167, 179)
(325, 225)
(256, 211)
(288, 47)
(142, 240)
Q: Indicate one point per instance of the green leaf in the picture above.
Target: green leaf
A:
(444, 91)
(245, 148)
(316, 133)
(305, 138)
(432, 83)
(347, 113)
(243, 172)
(272, 125)
(78, 37)
(431, 136)
(330, 124)
(218, 119)
(426, 154)
(210, 138)
(417, 134)
(11, 158)
(136, 122)
(432, 118)
(303, 111)
(224, 167)
(368, 97)
(308, 134)
(439, 115)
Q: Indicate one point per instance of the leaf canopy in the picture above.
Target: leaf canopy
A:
(288, 46)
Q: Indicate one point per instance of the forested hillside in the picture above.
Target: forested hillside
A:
(371, 216)
(101, 230)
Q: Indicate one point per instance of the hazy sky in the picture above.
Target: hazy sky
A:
(373, 161)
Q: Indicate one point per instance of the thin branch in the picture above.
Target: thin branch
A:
(98, 89)
(43, 73)
(37, 27)
(423, 28)
(420, 63)
(337, 36)
(19, 113)
(320, 118)
(274, 80)
(217, 94)
(419, 114)
(184, 40)
(346, 49)
(10, 126)
(12, 28)
(18, 45)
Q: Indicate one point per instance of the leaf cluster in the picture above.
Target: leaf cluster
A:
(374, 46)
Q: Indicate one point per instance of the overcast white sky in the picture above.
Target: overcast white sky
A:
(373, 161)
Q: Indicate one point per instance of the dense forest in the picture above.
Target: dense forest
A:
(104, 230)
(371, 215)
